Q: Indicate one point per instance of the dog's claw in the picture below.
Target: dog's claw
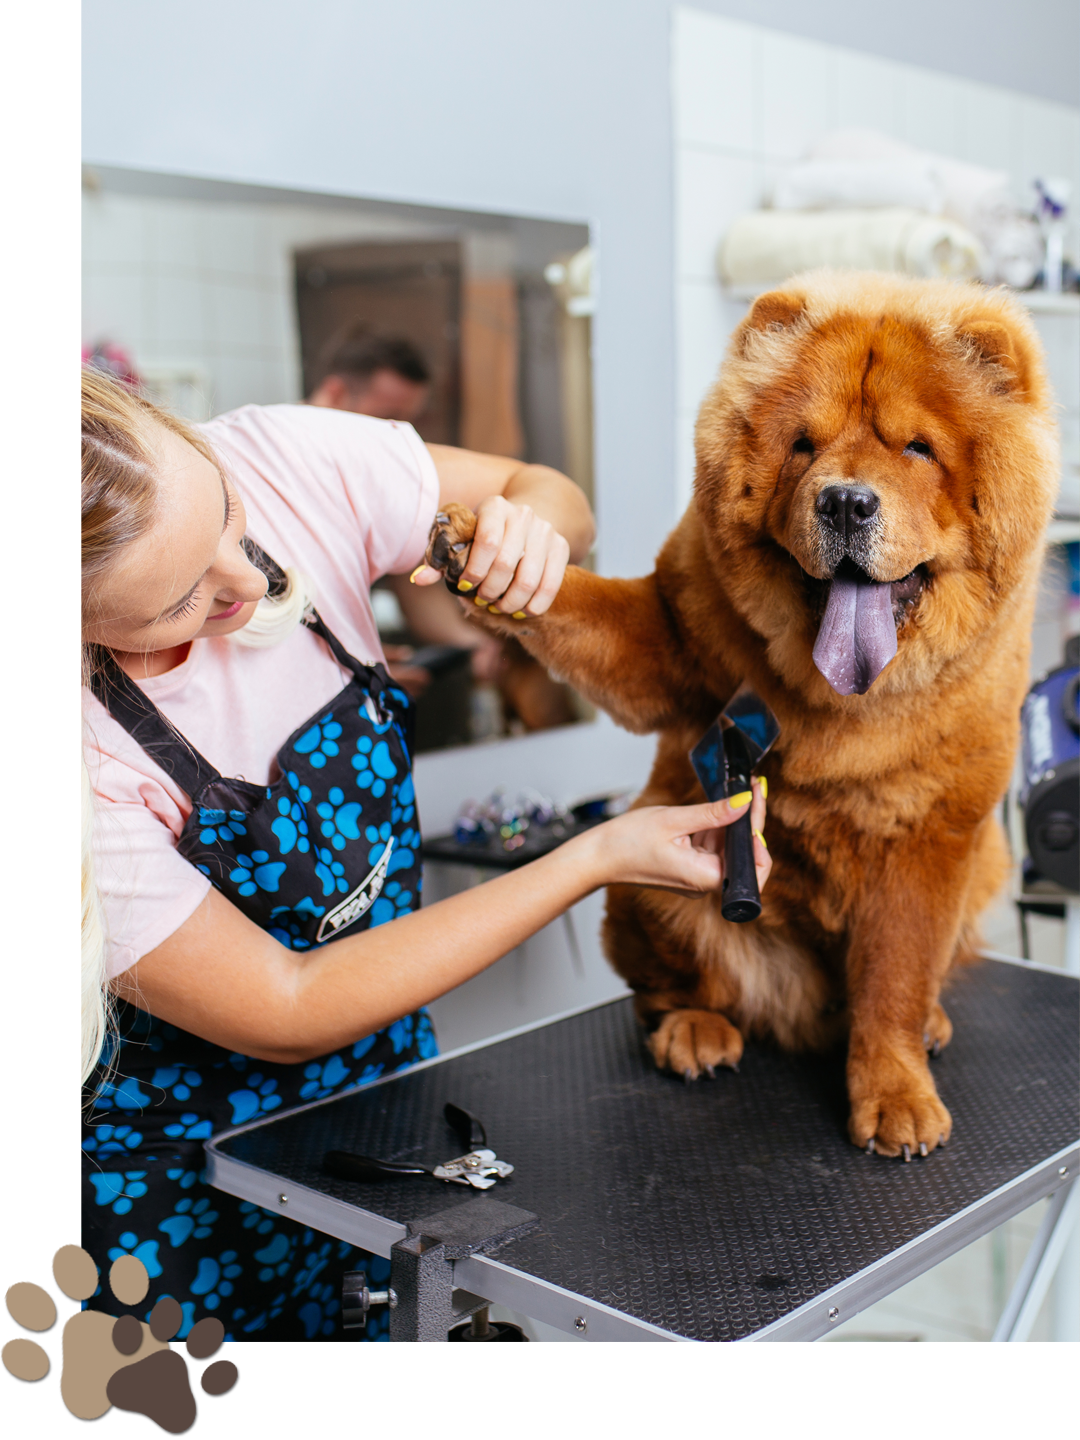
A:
(688, 1076)
(926, 1040)
(941, 1138)
(871, 1145)
(936, 1050)
(922, 1149)
(735, 1068)
(710, 1072)
(907, 1154)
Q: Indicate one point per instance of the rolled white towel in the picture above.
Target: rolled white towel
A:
(910, 181)
(767, 246)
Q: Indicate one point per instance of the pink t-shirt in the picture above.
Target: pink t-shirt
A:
(345, 498)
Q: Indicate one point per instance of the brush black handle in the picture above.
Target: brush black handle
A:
(347, 1166)
(741, 896)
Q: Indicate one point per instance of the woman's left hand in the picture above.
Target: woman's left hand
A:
(516, 563)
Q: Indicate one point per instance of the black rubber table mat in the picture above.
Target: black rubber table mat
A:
(712, 1209)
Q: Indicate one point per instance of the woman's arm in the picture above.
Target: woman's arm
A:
(223, 978)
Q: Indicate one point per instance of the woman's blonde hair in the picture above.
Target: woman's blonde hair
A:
(119, 505)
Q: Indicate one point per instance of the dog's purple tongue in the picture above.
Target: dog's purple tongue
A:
(857, 638)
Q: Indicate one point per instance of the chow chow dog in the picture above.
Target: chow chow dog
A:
(876, 465)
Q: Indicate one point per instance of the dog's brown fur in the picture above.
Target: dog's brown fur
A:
(881, 822)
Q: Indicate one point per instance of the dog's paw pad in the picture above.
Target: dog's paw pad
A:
(449, 541)
(694, 1041)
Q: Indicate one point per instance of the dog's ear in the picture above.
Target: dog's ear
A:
(990, 344)
(775, 310)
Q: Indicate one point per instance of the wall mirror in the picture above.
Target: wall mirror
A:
(215, 295)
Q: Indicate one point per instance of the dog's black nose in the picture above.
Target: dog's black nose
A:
(847, 508)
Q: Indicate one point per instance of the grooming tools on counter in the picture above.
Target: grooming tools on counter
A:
(479, 1168)
(724, 759)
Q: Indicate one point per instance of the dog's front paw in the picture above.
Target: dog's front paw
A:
(895, 1109)
(450, 540)
(694, 1041)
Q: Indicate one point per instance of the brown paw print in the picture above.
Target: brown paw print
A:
(158, 1387)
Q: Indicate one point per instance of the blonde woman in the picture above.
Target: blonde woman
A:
(251, 892)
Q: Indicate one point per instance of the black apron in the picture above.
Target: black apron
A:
(329, 848)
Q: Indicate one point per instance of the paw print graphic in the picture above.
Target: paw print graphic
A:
(291, 827)
(288, 925)
(332, 874)
(145, 1251)
(122, 1363)
(117, 1189)
(261, 1221)
(373, 765)
(190, 1127)
(257, 1098)
(339, 821)
(189, 1218)
(391, 903)
(218, 826)
(253, 873)
(323, 1080)
(177, 1080)
(214, 1279)
(320, 742)
(111, 1140)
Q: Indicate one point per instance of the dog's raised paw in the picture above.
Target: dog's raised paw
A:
(695, 1042)
(450, 540)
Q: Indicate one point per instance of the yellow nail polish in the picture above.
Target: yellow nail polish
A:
(761, 837)
(478, 600)
(412, 577)
(465, 585)
(494, 609)
(764, 791)
(520, 615)
(743, 798)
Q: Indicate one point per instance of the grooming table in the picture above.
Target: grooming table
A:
(733, 1209)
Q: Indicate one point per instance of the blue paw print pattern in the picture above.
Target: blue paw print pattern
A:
(323, 1080)
(373, 765)
(403, 806)
(291, 827)
(258, 1098)
(288, 926)
(190, 1217)
(118, 1188)
(391, 903)
(111, 1140)
(185, 1178)
(214, 1281)
(126, 1095)
(178, 1080)
(144, 1250)
(189, 1128)
(332, 874)
(339, 820)
(253, 873)
(275, 1257)
(217, 826)
(320, 742)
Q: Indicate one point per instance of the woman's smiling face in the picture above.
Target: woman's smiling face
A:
(187, 577)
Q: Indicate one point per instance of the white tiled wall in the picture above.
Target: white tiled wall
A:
(208, 285)
(747, 100)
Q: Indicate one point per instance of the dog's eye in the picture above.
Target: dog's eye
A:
(803, 446)
(920, 448)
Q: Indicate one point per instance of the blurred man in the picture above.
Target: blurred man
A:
(384, 376)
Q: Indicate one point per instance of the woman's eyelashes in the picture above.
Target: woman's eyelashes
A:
(920, 449)
(186, 607)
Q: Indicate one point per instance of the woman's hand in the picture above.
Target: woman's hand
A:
(516, 562)
(676, 847)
